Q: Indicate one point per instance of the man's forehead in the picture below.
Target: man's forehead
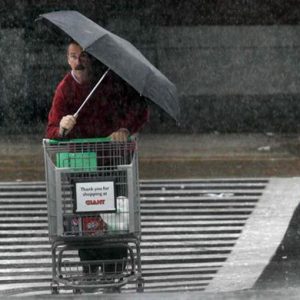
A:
(74, 48)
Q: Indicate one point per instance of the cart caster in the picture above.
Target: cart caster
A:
(77, 291)
(54, 289)
(140, 285)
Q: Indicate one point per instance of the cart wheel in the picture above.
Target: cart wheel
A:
(77, 291)
(140, 285)
(54, 290)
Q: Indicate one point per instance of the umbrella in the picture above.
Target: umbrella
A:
(120, 56)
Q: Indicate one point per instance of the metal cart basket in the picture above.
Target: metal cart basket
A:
(93, 204)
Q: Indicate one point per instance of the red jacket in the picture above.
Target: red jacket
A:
(113, 105)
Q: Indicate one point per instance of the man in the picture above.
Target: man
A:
(115, 109)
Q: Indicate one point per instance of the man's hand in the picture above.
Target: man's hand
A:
(120, 135)
(66, 124)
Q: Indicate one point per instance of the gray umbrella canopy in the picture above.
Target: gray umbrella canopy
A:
(120, 56)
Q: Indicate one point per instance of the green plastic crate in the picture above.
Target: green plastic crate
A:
(82, 160)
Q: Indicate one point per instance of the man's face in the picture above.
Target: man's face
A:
(78, 60)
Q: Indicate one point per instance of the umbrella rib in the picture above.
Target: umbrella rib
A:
(91, 43)
(142, 59)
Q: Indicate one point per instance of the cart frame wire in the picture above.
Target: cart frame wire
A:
(93, 203)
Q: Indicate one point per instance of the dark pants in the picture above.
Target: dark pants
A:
(113, 253)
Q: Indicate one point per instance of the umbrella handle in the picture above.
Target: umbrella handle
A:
(64, 130)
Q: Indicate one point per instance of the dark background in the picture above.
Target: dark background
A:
(33, 60)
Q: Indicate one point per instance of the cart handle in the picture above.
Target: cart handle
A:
(87, 140)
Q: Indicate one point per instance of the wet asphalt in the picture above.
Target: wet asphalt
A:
(177, 156)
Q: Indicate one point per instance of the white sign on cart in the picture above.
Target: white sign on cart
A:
(95, 196)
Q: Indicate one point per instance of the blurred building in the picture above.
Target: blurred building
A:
(235, 62)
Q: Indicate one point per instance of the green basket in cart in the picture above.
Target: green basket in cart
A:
(84, 160)
(78, 160)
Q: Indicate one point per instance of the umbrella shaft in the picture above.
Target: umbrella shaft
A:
(90, 94)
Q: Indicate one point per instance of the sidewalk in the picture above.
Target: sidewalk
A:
(217, 155)
(274, 294)
(175, 156)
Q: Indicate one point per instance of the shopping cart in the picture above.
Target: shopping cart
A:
(93, 205)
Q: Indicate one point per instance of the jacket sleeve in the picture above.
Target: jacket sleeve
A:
(57, 111)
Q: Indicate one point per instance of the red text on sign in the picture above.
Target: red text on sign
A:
(95, 202)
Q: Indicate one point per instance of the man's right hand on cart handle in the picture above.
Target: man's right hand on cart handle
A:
(68, 122)
(121, 135)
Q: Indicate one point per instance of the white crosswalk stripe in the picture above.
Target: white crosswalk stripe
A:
(189, 228)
